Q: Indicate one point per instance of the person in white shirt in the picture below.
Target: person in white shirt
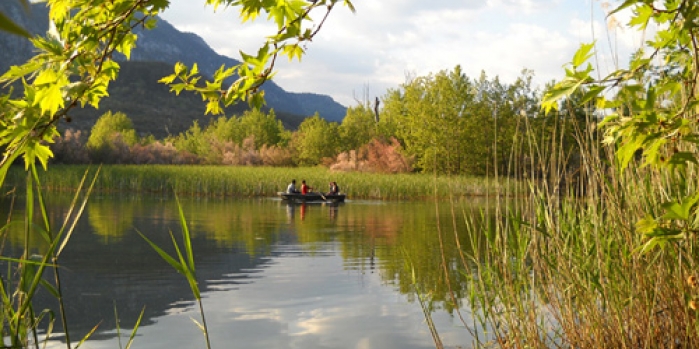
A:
(291, 189)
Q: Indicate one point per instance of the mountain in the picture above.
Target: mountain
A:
(151, 106)
(136, 91)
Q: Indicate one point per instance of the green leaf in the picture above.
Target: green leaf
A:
(647, 224)
(592, 93)
(553, 96)
(164, 255)
(680, 211)
(624, 5)
(127, 43)
(682, 158)
(349, 4)
(6, 24)
(185, 235)
(674, 210)
(582, 55)
(293, 51)
(642, 16)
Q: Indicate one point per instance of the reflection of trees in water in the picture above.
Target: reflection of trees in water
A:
(109, 219)
(399, 240)
(254, 225)
(371, 238)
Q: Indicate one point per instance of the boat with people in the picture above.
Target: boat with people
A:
(307, 195)
(311, 197)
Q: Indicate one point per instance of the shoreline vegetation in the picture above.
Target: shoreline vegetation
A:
(245, 181)
(612, 266)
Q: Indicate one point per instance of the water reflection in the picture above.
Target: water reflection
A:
(273, 274)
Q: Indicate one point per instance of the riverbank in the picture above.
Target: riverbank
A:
(230, 181)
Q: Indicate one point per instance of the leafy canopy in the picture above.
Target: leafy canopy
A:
(74, 63)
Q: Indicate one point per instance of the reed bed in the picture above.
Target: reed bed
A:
(568, 271)
(228, 181)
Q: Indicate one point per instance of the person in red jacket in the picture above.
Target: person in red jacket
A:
(305, 188)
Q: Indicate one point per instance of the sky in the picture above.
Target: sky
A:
(358, 56)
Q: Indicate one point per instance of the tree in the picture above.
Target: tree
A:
(265, 128)
(450, 123)
(358, 127)
(109, 133)
(74, 64)
(316, 139)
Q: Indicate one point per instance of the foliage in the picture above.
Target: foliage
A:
(6, 24)
(651, 108)
(584, 271)
(358, 127)
(74, 64)
(315, 140)
(453, 124)
(290, 18)
(26, 272)
(73, 67)
(265, 129)
(110, 131)
(226, 139)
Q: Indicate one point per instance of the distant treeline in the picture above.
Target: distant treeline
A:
(445, 123)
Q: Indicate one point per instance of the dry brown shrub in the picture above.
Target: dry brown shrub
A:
(120, 151)
(70, 148)
(245, 155)
(185, 158)
(346, 162)
(276, 156)
(376, 156)
(160, 153)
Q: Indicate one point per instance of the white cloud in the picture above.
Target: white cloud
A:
(389, 39)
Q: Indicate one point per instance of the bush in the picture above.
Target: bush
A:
(377, 156)
(70, 148)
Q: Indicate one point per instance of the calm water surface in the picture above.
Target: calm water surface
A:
(271, 275)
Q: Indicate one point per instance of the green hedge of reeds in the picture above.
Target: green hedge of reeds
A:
(228, 181)
(569, 271)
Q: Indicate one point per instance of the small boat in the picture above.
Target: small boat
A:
(311, 197)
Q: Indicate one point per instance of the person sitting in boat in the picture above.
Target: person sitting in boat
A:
(305, 188)
(291, 189)
(334, 189)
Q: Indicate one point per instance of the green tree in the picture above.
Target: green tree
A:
(266, 128)
(358, 127)
(74, 64)
(194, 140)
(452, 124)
(434, 118)
(111, 132)
(316, 139)
(226, 129)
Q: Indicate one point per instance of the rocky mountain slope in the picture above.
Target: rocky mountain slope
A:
(137, 92)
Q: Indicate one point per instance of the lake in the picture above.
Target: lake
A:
(272, 275)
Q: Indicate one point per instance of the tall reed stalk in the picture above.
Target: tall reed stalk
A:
(230, 181)
(184, 264)
(563, 267)
(25, 273)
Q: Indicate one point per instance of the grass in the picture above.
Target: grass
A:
(569, 271)
(219, 181)
(27, 327)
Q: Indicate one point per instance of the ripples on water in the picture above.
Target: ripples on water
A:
(272, 275)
